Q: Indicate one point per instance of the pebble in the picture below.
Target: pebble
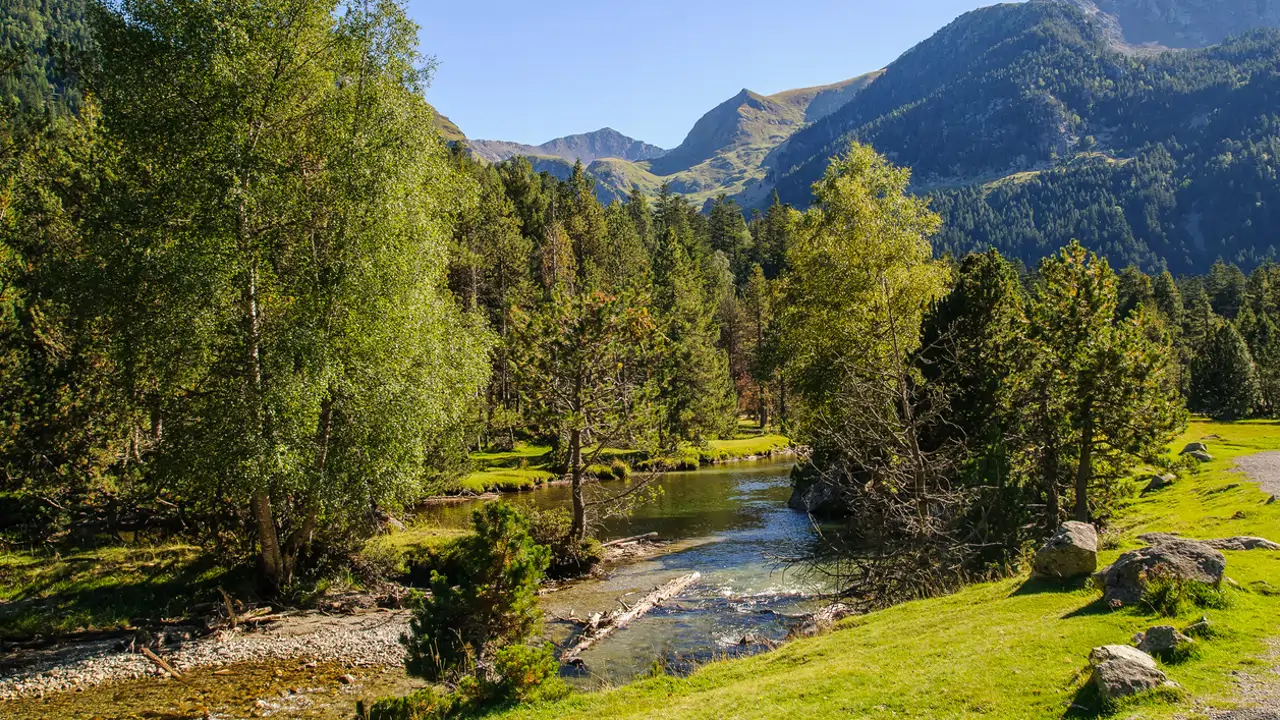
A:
(370, 640)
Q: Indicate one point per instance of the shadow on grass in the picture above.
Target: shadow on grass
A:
(1086, 703)
(1041, 586)
(1096, 607)
(87, 592)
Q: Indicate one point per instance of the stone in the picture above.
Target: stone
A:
(1123, 581)
(1120, 671)
(819, 498)
(1201, 629)
(1159, 482)
(1071, 552)
(1202, 456)
(1193, 448)
(1242, 543)
(1162, 641)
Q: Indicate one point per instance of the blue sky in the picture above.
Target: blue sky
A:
(531, 71)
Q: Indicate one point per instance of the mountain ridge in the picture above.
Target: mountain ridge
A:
(584, 147)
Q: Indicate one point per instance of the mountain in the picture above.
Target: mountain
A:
(1185, 23)
(448, 130)
(1030, 126)
(586, 147)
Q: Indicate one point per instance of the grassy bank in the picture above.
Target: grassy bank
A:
(1009, 649)
(103, 589)
(528, 466)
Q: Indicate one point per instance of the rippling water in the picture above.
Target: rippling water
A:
(730, 523)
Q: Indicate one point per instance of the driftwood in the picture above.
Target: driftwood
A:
(600, 627)
(161, 663)
(625, 541)
(230, 606)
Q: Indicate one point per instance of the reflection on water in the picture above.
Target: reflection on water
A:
(730, 522)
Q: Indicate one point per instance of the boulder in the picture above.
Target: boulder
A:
(819, 498)
(1193, 448)
(1159, 482)
(1123, 581)
(1202, 456)
(1162, 641)
(1120, 671)
(1071, 552)
(1242, 543)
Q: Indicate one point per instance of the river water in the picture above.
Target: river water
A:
(730, 523)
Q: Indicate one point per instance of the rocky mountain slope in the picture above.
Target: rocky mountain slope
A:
(586, 147)
(1186, 23)
(1031, 128)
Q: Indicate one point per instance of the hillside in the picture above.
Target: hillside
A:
(586, 147)
(1186, 23)
(1040, 93)
(1013, 649)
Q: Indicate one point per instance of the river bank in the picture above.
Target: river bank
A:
(722, 521)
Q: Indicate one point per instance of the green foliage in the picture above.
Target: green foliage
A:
(1224, 381)
(570, 556)
(1167, 594)
(277, 309)
(520, 674)
(483, 599)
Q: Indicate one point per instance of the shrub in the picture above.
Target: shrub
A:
(526, 674)
(483, 600)
(1169, 595)
(569, 558)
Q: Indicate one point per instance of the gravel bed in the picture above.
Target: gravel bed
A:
(365, 640)
(1263, 469)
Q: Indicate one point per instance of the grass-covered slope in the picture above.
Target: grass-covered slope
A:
(1008, 649)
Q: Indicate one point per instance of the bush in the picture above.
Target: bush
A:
(519, 673)
(569, 558)
(1169, 595)
(483, 600)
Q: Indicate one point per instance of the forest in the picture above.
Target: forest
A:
(256, 302)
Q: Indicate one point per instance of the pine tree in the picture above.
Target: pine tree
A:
(1224, 381)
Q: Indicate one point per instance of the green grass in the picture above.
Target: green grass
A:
(505, 480)
(48, 593)
(744, 447)
(1008, 649)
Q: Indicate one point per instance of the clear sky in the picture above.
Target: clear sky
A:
(529, 71)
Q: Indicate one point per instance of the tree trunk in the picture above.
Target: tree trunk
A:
(579, 529)
(270, 560)
(1084, 473)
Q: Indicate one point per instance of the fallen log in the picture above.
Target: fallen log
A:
(624, 541)
(599, 628)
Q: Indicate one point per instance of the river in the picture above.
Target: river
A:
(730, 523)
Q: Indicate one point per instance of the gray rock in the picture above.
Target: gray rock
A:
(1120, 671)
(1202, 456)
(1201, 629)
(1162, 640)
(1071, 552)
(820, 498)
(1242, 543)
(1123, 581)
(1159, 482)
(1193, 448)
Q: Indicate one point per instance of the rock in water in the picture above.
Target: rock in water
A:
(1162, 641)
(1124, 580)
(1071, 552)
(1194, 448)
(1120, 671)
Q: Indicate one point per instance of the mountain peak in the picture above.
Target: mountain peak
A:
(585, 147)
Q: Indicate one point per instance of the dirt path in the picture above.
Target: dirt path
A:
(1263, 469)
